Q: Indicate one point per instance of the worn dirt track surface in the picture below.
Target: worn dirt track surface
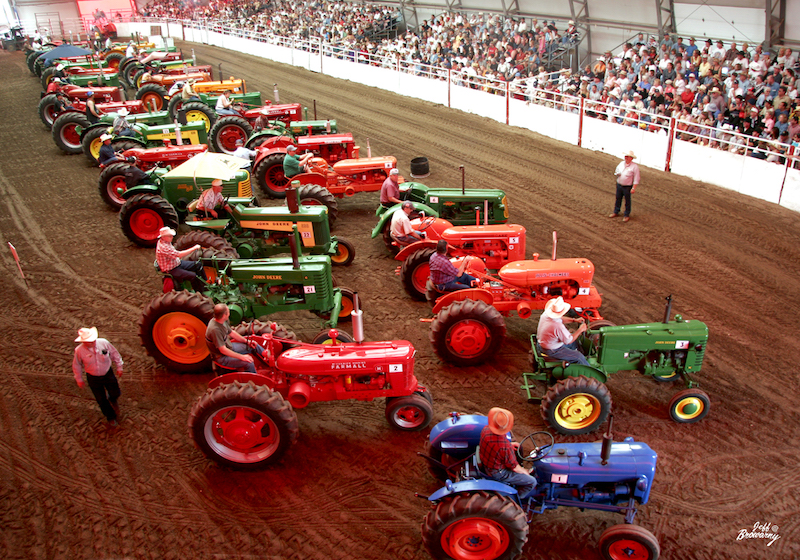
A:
(72, 488)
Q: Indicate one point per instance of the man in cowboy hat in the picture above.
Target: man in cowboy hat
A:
(107, 155)
(121, 126)
(627, 173)
(553, 337)
(498, 454)
(94, 357)
(188, 93)
(212, 198)
(294, 164)
(170, 261)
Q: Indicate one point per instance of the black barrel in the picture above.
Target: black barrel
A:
(420, 168)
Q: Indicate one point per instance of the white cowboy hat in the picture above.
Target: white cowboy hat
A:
(87, 335)
(123, 112)
(501, 421)
(556, 308)
(629, 153)
(166, 231)
(105, 137)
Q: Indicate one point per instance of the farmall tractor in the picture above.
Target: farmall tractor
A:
(266, 231)
(577, 400)
(173, 325)
(54, 105)
(248, 420)
(468, 326)
(168, 74)
(474, 517)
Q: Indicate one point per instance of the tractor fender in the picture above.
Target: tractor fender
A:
(416, 246)
(387, 214)
(265, 133)
(478, 294)
(311, 179)
(215, 226)
(93, 127)
(243, 200)
(264, 152)
(576, 370)
(240, 376)
(477, 485)
(141, 189)
(273, 141)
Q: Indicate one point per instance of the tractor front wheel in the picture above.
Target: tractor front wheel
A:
(623, 542)
(415, 273)
(243, 425)
(576, 405)
(467, 333)
(112, 184)
(689, 406)
(172, 329)
(475, 525)
(345, 253)
(143, 215)
(269, 176)
(226, 131)
(410, 414)
(65, 133)
(311, 195)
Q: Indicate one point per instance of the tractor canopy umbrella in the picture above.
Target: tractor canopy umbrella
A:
(209, 165)
(64, 51)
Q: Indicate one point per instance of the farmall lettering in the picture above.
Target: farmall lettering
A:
(349, 365)
(306, 229)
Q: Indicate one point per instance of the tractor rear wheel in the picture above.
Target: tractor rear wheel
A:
(410, 414)
(475, 525)
(112, 184)
(204, 239)
(345, 253)
(47, 109)
(226, 131)
(243, 425)
(31, 59)
(689, 406)
(113, 59)
(123, 143)
(196, 111)
(576, 405)
(311, 195)
(174, 105)
(172, 329)
(136, 82)
(436, 454)
(91, 143)
(628, 541)
(467, 333)
(153, 96)
(128, 70)
(415, 273)
(269, 176)
(47, 76)
(65, 134)
(143, 215)
(388, 240)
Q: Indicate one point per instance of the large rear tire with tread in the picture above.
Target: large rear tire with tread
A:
(65, 134)
(576, 405)
(269, 176)
(226, 131)
(196, 111)
(243, 425)
(263, 327)
(467, 333)
(47, 109)
(31, 59)
(143, 215)
(112, 183)
(172, 329)
(113, 59)
(204, 239)
(628, 541)
(153, 96)
(47, 77)
(311, 195)
(91, 143)
(128, 70)
(415, 272)
(175, 103)
(475, 525)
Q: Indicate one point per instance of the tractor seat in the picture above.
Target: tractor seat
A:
(541, 357)
(474, 468)
(220, 370)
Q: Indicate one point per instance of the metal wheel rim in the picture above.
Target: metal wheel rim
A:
(241, 434)
(408, 417)
(689, 408)
(153, 100)
(181, 337)
(342, 254)
(578, 411)
(69, 135)
(475, 539)
(468, 338)
(94, 148)
(419, 278)
(628, 549)
(228, 135)
(194, 116)
(276, 180)
(145, 223)
(116, 187)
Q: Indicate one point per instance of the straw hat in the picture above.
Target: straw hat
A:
(87, 335)
(166, 231)
(630, 154)
(501, 421)
(556, 308)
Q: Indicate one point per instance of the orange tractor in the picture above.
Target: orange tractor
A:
(468, 325)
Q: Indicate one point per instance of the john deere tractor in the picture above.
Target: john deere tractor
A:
(577, 400)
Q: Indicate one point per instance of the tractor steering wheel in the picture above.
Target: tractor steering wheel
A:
(538, 452)
(427, 222)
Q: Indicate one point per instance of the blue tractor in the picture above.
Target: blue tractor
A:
(477, 517)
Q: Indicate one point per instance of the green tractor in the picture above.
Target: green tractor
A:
(577, 400)
(267, 231)
(173, 325)
(149, 207)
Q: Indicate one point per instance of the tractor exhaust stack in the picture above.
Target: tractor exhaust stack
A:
(555, 244)
(294, 242)
(463, 180)
(275, 94)
(668, 310)
(292, 197)
(358, 320)
(608, 439)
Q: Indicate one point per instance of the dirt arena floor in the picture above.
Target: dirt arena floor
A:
(71, 487)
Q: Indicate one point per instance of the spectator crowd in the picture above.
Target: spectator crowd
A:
(712, 90)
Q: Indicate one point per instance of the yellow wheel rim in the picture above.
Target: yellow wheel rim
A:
(689, 408)
(94, 148)
(578, 411)
(181, 337)
(192, 116)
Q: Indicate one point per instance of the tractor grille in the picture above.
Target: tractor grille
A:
(244, 188)
(698, 359)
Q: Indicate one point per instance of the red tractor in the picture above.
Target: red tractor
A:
(468, 325)
(248, 420)
(268, 166)
(55, 105)
(227, 130)
(496, 245)
(115, 179)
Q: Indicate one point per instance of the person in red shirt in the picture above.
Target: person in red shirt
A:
(169, 260)
(498, 453)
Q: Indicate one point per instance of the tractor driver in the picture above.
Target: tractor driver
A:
(554, 338)
(234, 355)
(446, 277)
(169, 260)
(188, 93)
(121, 125)
(390, 189)
(498, 454)
(212, 199)
(133, 175)
(224, 105)
(294, 164)
(401, 229)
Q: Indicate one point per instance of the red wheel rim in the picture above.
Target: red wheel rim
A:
(145, 223)
(242, 434)
(475, 539)
(311, 202)
(468, 338)
(50, 113)
(420, 277)
(627, 549)
(70, 136)
(116, 187)
(409, 417)
(153, 100)
(275, 178)
(228, 135)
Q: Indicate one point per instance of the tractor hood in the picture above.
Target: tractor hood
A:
(530, 273)
(462, 234)
(352, 358)
(363, 165)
